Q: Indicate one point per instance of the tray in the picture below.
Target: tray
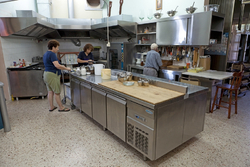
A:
(128, 83)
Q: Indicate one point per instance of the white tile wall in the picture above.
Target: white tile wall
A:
(68, 46)
(20, 48)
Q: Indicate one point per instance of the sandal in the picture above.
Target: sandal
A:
(64, 110)
(53, 109)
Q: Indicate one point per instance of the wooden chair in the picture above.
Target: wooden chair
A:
(234, 86)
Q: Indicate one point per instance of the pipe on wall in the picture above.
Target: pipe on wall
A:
(71, 9)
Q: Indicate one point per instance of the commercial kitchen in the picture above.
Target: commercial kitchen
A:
(194, 113)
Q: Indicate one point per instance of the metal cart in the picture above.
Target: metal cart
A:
(69, 59)
(67, 87)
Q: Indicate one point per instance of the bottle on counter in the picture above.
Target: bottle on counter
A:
(24, 63)
(142, 64)
(20, 63)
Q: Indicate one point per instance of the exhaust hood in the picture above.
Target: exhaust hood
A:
(31, 24)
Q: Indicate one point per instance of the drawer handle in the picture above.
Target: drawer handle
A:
(141, 118)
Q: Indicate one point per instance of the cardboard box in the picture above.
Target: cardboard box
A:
(205, 62)
(166, 63)
(190, 81)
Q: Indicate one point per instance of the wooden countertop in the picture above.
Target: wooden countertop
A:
(151, 94)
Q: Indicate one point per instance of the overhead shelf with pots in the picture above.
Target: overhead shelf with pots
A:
(146, 33)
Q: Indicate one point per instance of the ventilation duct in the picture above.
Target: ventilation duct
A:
(71, 9)
(76, 42)
(93, 2)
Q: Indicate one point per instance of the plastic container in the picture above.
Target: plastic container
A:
(106, 73)
(211, 7)
(83, 71)
(98, 68)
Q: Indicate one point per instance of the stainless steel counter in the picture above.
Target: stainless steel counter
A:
(172, 75)
(95, 79)
(210, 79)
(27, 83)
(153, 130)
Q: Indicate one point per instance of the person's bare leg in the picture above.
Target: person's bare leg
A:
(58, 101)
(50, 98)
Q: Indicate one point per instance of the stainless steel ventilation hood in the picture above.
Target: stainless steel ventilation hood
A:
(27, 27)
(31, 24)
(117, 28)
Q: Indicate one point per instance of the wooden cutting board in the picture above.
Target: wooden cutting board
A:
(151, 94)
(174, 67)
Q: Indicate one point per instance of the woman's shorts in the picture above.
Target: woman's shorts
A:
(52, 82)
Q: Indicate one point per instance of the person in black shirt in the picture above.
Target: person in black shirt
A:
(85, 56)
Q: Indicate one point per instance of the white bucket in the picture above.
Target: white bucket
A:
(106, 73)
(98, 68)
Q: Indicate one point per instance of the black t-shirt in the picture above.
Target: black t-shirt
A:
(83, 56)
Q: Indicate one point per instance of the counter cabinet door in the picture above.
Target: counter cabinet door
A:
(116, 116)
(99, 106)
(86, 99)
(75, 93)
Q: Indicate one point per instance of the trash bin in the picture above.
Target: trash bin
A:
(3, 110)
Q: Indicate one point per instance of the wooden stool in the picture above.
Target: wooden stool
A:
(234, 86)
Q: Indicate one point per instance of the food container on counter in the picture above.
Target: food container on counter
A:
(98, 68)
(211, 7)
(106, 73)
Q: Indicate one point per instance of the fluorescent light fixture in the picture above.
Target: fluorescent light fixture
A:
(3, 1)
(245, 1)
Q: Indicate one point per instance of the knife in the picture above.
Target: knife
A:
(120, 11)
(110, 5)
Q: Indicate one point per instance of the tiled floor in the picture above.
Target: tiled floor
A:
(42, 138)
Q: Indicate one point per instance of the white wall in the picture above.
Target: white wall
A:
(8, 9)
(44, 7)
(59, 9)
(20, 48)
(138, 8)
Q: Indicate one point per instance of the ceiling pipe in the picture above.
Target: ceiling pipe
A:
(71, 9)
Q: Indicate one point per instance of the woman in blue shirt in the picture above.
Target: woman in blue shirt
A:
(52, 75)
(86, 56)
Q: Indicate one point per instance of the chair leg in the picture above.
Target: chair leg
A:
(212, 109)
(236, 98)
(221, 95)
(230, 103)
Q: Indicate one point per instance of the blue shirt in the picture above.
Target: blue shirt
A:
(83, 56)
(153, 60)
(48, 59)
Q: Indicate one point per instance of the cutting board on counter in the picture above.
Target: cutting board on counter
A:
(175, 67)
(151, 94)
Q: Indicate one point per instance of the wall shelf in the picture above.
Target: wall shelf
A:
(149, 33)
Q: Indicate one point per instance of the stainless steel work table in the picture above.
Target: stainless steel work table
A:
(153, 130)
(210, 79)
